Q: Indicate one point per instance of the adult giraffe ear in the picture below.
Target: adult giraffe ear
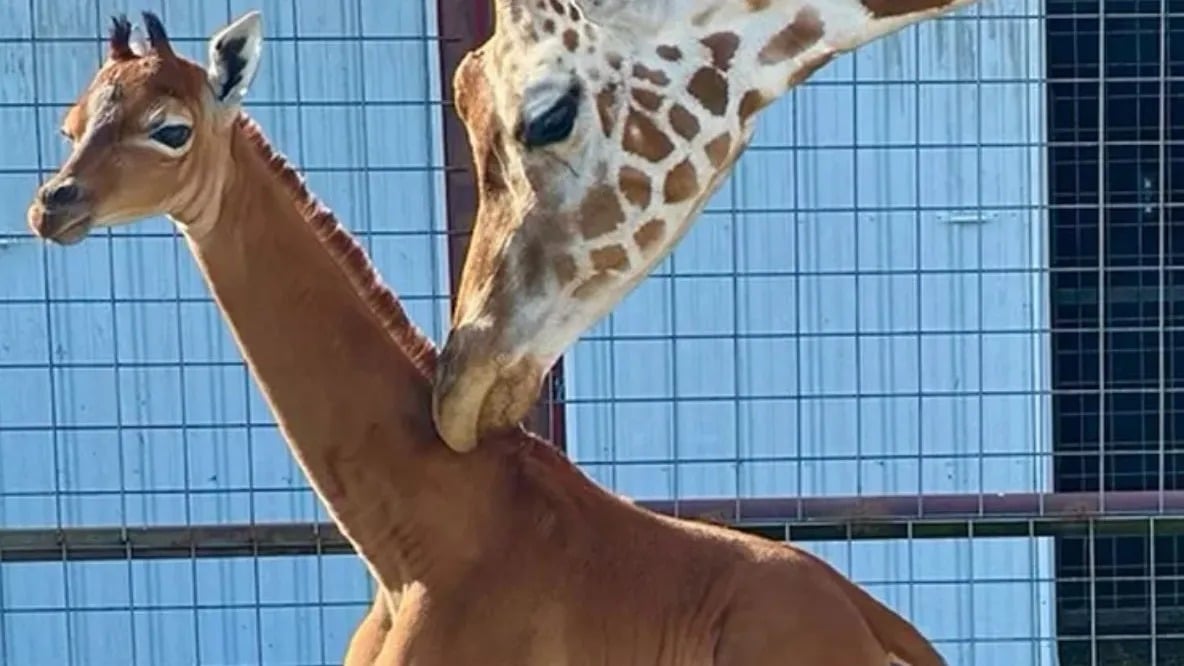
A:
(234, 53)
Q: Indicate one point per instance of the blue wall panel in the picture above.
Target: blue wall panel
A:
(860, 310)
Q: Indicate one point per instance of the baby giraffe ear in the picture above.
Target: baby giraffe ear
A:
(234, 53)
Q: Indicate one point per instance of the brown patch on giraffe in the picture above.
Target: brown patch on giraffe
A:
(654, 76)
(573, 12)
(723, 47)
(571, 40)
(644, 138)
(549, 27)
(565, 268)
(635, 185)
(600, 212)
(558, 7)
(681, 182)
(606, 105)
(753, 101)
(596, 282)
(807, 70)
(589, 31)
(614, 60)
(758, 5)
(669, 53)
(649, 234)
(610, 258)
(647, 99)
(711, 89)
(683, 122)
(890, 8)
(718, 148)
(793, 39)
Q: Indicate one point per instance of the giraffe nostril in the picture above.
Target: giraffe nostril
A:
(62, 194)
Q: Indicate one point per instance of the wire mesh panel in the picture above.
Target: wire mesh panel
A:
(898, 292)
(926, 330)
(123, 400)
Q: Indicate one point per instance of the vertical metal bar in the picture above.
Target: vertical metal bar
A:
(464, 25)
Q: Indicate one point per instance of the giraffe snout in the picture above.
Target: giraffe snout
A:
(479, 389)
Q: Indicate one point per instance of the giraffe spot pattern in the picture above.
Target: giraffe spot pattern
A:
(606, 104)
(890, 8)
(647, 235)
(600, 212)
(610, 258)
(758, 5)
(654, 76)
(635, 185)
(793, 39)
(647, 99)
(549, 27)
(718, 148)
(669, 53)
(681, 182)
(644, 138)
(614, 60)
(750, 103)
(594, 284)
(711, 89)
(723, 47)
(565, 269)
(558, 7)
(571, 40)
(683, 122)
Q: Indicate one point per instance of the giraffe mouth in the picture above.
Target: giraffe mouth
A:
(478, 391)
(60, 226)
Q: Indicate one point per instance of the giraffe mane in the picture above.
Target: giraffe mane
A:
(347, 253)
(541, 460)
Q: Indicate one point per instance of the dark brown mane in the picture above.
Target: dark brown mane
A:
(540, 459)
(348, 254)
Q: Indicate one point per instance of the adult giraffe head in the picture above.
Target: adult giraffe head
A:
(599, 130)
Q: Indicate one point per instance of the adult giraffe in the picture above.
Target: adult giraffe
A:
(508, 556)
(600, 128)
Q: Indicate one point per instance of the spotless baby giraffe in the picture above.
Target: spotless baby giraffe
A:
(600, 128)
(506, 556)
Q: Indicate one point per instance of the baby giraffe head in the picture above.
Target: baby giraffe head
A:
(150, 134)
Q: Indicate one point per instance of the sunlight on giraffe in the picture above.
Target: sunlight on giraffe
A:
(599, 129)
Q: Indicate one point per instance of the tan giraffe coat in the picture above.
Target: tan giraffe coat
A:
(509, 556)
(649, 103)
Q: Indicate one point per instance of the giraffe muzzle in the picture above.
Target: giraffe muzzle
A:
(478, 391)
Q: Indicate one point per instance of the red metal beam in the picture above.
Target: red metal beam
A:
(464, 25)
(871, 508)
(780, 518)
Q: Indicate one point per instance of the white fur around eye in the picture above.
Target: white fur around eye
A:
(170, 119)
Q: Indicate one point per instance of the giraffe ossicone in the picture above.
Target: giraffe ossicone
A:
(599, 130)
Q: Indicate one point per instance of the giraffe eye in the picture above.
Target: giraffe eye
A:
(552, 125)
(173, 136)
